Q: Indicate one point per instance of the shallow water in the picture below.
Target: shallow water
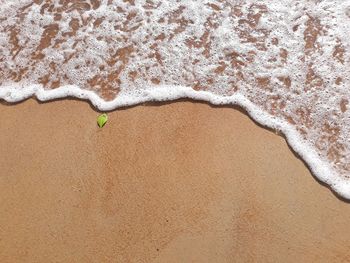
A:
(286, 62)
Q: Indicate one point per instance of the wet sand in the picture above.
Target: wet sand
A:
(180, 182)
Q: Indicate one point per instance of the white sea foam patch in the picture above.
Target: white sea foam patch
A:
(286, 62)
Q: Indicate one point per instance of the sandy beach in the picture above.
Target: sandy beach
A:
(176, 182)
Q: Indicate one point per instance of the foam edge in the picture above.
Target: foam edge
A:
(321, 169)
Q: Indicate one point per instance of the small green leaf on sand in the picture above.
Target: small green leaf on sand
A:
(102, 119)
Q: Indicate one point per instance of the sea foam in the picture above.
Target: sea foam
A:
(286, 63)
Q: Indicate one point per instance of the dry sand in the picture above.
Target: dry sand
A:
(180, 182)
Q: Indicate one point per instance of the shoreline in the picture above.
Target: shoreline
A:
(319, 168)
(186, 100)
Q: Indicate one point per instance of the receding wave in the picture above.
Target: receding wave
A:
(286, 62)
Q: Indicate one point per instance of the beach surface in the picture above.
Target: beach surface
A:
(174, 182)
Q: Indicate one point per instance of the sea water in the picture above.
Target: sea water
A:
(287, 63)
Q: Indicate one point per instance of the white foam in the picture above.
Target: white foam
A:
(276, 59)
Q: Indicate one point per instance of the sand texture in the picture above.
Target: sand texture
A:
(178, 182)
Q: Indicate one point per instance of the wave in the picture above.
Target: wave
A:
(287, 64)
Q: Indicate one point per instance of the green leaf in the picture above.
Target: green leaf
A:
(102, 119)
